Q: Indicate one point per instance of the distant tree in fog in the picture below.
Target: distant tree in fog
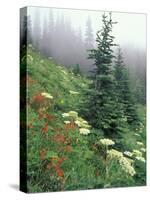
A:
(89, 39)
(45, 44)
(26, 32)
(36, 33)
(123, 89)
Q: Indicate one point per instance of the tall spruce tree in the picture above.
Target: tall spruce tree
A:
(123, 89)
(101, 107)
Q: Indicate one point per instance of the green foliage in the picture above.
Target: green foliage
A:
(59, 155)
(101, 105)
(123, 90)
(76, 70)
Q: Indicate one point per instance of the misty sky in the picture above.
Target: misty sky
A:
(129, 31)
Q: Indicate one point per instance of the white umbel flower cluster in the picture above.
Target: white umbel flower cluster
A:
(73, 92)
(143, 149)
(114, 154)
(140, 143)
(106, 142)
(137, 153)
(126, 166)
(84, 131)
(82, 123)
(128, 153)
(67, 122)
(47, 95)
(73, 114)
(140, 158)
(79, 121)
(65, 115)
(124, 162)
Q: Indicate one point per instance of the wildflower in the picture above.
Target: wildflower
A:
(137, 153)
(43, 154)
(45, 129)
(67, 122)
(49, 117)
(73, 114)
(60, 172)
(60, 161)
(70, 126)
(140, 158)
(29, 58)
(140, 143)
(65, 115)
(77, 122)
(84, 122)
(85, 125)
(137, 134)
(60, 138)
(47, 95)
(128, 153)
(124, 162)
(84, 131)
(143, 149)
(38, 98)
(73, 92)
(106, 142)
(64, 71)
(114, 154)
(126, 166)
(80, 119)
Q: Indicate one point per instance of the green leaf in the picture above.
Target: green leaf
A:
(51, 154)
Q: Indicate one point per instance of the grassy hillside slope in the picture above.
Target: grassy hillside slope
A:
(62, 153)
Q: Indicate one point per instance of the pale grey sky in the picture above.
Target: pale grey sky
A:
(129, 31)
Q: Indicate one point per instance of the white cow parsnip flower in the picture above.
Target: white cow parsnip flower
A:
(137, 153)
(106, 142)
(84, 131)
(128, 153)
(65, 115)
(140, 158)
(143, 149)
(73, 114)
(140, 143)
(47, 95)
(73, 92)
(67, 122)
(125, 163)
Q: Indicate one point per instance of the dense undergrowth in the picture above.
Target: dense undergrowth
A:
(64, 152)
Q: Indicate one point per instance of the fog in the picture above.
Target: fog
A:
(66, 34)
(130, 29)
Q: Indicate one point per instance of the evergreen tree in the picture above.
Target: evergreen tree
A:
(89, 39)
(26, 37)
(102, 109)
(37, 31)
(123, 90)
(76, 70)
(45, 39)
(50, 33)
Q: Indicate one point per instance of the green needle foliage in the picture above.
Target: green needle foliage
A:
(123, 90)
(102, 106)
